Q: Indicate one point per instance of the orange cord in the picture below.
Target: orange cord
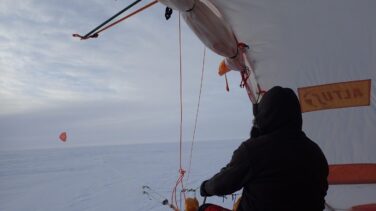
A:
(181, 170)
(197, 111)
(95, 35)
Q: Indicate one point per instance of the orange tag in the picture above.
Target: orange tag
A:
(336, 95)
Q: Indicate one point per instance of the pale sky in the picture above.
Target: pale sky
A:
(120, 88)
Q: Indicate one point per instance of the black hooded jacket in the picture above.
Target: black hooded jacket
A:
(279, 167)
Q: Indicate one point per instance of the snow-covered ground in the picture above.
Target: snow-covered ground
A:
(111, 177)
(103, 177)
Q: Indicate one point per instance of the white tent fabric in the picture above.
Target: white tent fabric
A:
(300, 43)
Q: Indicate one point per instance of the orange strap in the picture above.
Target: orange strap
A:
(364, 207)
(95, 35)
(363, 173)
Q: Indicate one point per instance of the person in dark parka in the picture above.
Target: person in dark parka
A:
(279, 167)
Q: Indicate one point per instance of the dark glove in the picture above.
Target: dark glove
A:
(203, 192)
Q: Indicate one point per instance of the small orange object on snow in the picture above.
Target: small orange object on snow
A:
(63, 136)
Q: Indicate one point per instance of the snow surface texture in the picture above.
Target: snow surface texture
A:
(111, 177)
(104, 178)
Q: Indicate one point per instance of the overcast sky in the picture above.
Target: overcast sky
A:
(120, 88)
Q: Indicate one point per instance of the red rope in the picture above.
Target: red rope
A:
(245, 84)
(179, 181)
(197, 111)
(245, 74)
(181, 94)
(227, 86)
(181, 170)
(95, 35)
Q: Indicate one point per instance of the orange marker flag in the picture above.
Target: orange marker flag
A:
(63, 136)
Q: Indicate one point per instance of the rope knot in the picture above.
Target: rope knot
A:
(242, 46)
(181, 172)
(244, 80)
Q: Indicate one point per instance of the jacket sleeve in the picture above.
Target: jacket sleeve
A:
(232, 177)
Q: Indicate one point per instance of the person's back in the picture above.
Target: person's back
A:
(287, 172)
(279, 168)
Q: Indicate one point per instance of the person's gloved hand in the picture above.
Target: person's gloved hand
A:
(202, 189)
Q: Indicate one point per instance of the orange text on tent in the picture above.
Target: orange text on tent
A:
(337, 95)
